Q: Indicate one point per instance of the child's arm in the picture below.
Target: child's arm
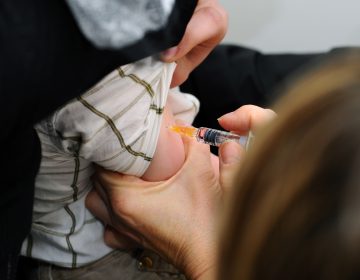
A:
(169, 155)
(117, 125)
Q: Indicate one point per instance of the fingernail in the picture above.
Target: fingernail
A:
(228, 115)
(169, 53)
(230, 153)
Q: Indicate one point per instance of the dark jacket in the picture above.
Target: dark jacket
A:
(45, 61)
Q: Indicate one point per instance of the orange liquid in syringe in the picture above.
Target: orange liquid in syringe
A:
(184, 130)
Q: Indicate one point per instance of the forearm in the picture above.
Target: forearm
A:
(210, 274)
(201, 266)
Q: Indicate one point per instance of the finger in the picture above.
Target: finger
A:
(102, 192)
(122, 199)
(112, 175)
(231, 155)
(97, 207)
(206, 28)
(108, 180)
(198, 164)
(118, 240)
(107, 174)
(116, 199)
(195, 150)
(246, 118)
(116, 202)
(186, 65)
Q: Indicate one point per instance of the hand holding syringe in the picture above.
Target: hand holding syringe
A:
(211, 136)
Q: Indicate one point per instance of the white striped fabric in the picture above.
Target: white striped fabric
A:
(115, 124)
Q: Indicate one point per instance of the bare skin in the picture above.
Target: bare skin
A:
(187, 203)
(205, 30)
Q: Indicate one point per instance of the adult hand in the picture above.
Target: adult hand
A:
(174, 218)
(241, 121)
(246, 118)
(205, 30)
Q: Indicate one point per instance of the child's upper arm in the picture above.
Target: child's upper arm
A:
(169, 155)
(118, 123)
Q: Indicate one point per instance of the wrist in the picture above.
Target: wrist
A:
(200, 263)
(209, 274)
(203, 271)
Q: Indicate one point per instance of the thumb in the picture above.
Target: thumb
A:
(230, 155)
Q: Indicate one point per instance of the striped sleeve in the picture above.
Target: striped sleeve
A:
(118, 120)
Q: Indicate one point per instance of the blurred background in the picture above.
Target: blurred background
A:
(295, 26)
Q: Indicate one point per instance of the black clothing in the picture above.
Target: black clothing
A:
(233, 76)
(44, 62)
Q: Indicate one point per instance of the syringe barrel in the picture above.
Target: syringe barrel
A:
(216, 137)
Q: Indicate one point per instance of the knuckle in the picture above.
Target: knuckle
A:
(218, 16)
(89, 201)
(122, 206)
(117, 205)
(109, 240)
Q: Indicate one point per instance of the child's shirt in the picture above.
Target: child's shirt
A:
(116, 125)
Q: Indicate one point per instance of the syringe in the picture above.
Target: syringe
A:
(212, 136)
